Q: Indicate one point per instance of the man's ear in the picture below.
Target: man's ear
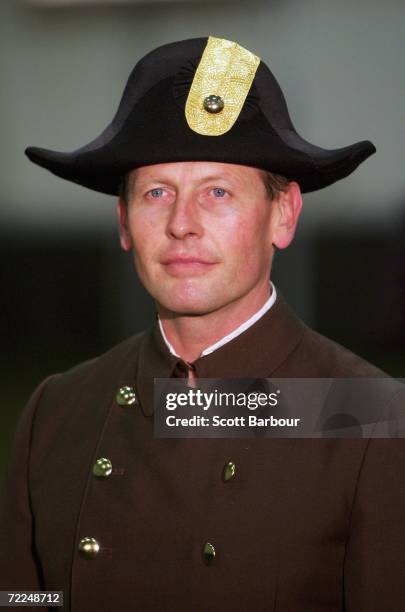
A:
(123, 228)
(287, 209)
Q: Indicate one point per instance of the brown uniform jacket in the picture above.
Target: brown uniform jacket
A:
(303, 526)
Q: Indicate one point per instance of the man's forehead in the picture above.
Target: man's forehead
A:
(196, 170)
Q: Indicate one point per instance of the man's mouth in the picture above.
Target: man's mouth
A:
(183, 265)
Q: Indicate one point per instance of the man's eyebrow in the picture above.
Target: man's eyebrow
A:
(146, 181)
(167, 181)
(215, 177)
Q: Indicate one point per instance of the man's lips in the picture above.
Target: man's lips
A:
(183, 265)
(184, 259)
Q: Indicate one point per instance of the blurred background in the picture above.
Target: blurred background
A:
(67, 291)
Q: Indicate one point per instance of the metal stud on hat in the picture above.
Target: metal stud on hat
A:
(213, 104)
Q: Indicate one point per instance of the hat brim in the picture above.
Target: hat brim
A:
(95, 173)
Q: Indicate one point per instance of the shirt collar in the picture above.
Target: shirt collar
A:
(233, 334)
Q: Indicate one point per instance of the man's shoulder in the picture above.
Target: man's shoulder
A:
(105, 366)
(319, 356)
(82, 395)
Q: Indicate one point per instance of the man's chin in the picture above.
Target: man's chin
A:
(189, 297)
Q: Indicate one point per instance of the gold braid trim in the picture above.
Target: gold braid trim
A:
(226, 70)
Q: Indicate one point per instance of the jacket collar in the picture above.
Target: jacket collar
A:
(256, 353)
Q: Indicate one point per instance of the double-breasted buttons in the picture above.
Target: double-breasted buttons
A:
(208, 552)
(102, 468)
(126, 396)
(213, 104)
(88, 548)
(229, 471)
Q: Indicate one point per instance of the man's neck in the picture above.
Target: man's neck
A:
(190, 335)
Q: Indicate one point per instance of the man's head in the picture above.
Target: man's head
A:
(203, 233)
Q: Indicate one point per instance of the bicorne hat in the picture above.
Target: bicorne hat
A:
(203, 99)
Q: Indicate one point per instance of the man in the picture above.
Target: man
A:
(209, 170)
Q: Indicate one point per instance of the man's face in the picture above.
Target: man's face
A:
(201, 233)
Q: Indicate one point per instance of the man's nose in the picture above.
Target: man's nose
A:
(184, 219)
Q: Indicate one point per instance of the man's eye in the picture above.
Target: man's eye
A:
(156, 193)
(219, 192)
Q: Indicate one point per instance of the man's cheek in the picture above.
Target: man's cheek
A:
(146, 242)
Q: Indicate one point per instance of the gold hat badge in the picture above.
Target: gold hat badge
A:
(220, 86)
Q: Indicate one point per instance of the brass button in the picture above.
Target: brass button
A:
(213, 104)
(88, 548)
(208, 552)
(229, 471)
(102, 468)
(126, 396)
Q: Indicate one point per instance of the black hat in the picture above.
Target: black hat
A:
(203, 99)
